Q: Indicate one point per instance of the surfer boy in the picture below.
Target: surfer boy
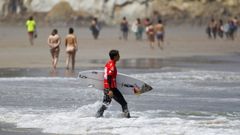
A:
(110, 86)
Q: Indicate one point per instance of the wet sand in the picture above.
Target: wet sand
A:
(181, 42)
(10, 129)
(184, 46)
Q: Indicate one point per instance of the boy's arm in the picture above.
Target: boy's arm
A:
(109, 92)
(66, 41)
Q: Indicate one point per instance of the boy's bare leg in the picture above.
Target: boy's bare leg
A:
(67, 61)
(73, 60)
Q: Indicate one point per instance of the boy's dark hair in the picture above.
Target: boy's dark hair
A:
(54, 32)
(71, 30)
(159, 21)
(113, 53)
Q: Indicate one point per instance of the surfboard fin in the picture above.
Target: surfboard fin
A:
(127, 85)
(146, 88)
(91, 85)
(82, 76)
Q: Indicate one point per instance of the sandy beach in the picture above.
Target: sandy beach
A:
(195, 81)
(180, 42)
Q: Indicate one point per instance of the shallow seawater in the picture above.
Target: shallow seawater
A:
(184, 101)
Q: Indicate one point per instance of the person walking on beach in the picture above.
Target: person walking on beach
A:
(110, 86)
(31, 28)
(54, 42)
(160, 33)
(220, 30)
(140, 29)
(134, 28)
(124, 28)
(71, 48)
(236, 24)
(232, 29)
(146, 22)
(95, 28)
(212, 29)
(151, 34)
(137, 28)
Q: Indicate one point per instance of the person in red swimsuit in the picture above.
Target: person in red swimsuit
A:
(110, 86)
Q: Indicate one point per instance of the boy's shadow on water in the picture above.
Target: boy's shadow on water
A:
(70, 73)
(62, 73)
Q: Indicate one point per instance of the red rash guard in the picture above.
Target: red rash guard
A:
(110, 74)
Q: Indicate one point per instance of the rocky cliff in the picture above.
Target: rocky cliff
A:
(111, 11)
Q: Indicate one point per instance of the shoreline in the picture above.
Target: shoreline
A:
(143, 65)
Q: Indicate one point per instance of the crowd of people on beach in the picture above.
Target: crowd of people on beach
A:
(153, 30)
(138, 27)
(220, 29)
(54, 41)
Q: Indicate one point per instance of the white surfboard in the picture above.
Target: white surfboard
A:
(126, 84)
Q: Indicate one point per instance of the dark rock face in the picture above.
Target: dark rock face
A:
(111, 11)
(10, 7)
